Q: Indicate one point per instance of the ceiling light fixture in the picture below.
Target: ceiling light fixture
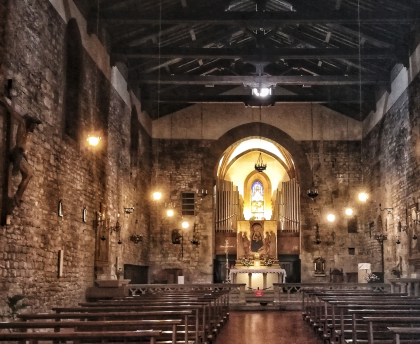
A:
(349, 211)
(259, 165)
(331, 217)
(262, 92)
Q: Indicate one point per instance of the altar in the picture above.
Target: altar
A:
(257, 264)
(252, 280)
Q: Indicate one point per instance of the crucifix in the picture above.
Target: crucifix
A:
(226, 247)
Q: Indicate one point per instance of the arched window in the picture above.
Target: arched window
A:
(73, 70)
(257, 200)
(134, 133)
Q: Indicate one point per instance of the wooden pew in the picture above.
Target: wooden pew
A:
(412, 331)
(198, 313)
(112, 316)
(386, 322)
(76, 337)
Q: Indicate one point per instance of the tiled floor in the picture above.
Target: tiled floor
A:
(277, 327)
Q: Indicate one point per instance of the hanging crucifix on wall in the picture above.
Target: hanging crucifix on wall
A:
(18, 155)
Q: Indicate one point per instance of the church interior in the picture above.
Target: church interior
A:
(268, 145)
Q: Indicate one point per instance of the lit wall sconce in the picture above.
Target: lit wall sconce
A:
(349, 211)
(203, 193)
(157, 195)
(363, 196)
(136, 239)
(117, 227)
(170, 209)
(94, 139)
(60, 208)
(331, 217)
(129, 210)
(312, 192)
(388, 209)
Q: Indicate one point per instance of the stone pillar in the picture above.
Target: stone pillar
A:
(250, 280)
(264, 280)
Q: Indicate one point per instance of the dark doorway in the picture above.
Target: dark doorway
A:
(136, 273)
(219, 267)
(290, 263)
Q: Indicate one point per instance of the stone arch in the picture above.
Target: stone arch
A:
(216, 149)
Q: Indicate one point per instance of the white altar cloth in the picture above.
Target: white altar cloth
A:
(281, 272)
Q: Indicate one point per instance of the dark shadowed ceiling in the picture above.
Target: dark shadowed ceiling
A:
(336, 52)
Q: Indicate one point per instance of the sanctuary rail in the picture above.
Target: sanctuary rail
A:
(281, 292)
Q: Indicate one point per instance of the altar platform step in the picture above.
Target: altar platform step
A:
(270, 306)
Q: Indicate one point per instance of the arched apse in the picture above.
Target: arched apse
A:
(218, 147)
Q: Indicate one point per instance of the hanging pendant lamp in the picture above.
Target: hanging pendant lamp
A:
(259, 165)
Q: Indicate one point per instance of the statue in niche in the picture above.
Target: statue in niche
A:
(267, 243)
(246, 244)
(256, 238)
(17, 157)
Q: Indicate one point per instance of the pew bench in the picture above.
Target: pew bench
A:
(111, 337)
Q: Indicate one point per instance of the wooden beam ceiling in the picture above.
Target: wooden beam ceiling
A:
(263, 81)
(261, 55)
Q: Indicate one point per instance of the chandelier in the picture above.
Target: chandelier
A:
(260, 166)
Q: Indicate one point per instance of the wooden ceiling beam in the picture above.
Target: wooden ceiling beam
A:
(249, 99)
(265, 19)
(266, 55)
(263, 81)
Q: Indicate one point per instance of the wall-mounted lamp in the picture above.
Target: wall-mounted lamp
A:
(388, 209)
(117, 227)
(136, 239)
(331, 217)
(312, 192)
(185, 224)
(363, 196)
(349, 211)
(202, 194)
(129, 210)
(93, 139)
(170, 209)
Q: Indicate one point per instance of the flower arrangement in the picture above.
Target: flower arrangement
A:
(371, 278)
(268, 262)
(396, 272)
(247, 262)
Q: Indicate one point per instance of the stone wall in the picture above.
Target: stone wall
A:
(179, 168)
(337, 174)
(64, 169)
(391, 157)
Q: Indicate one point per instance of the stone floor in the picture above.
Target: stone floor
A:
(279, 327)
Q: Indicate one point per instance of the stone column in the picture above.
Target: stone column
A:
(264, 280)
(250, 280)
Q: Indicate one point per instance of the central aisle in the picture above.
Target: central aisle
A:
(273, 327)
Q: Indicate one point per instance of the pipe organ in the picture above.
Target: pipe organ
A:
(228, 206)
(288, 206)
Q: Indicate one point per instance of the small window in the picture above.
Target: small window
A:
(188, 203)
(352, 251)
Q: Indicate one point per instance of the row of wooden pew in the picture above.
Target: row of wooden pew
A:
(362, 316)
(193, 317)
